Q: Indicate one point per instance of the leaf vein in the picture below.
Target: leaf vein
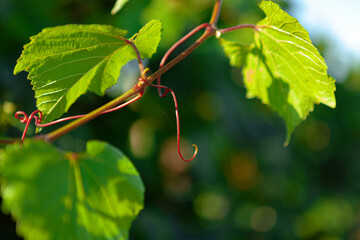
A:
(285, 108)
(284, 23)
(59, 101)
(296, 59)
(58, 80)
(50, 93)
(41, 103)
(65, 63)
(73, 51)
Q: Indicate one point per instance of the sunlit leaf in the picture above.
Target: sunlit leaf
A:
(58, 195)
(148, 38)
(284, 69)
(65, 62)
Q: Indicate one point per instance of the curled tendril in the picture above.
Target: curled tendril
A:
(37, 115)
(24, 118)
(167, 90)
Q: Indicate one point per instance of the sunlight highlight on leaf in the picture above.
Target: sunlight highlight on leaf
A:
(67, 61)
(56, 195)
(283, 68)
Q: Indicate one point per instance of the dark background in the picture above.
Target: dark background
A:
(243, 184)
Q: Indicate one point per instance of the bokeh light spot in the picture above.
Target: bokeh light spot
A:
(242, 171)
(208, 106)
(9, 107)
(172, 165)
(211, 206)
(178, 188)
(330, 215)
(263, 219)
(142, 138)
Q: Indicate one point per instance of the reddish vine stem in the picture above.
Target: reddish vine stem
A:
(24, 118)
(237, 27)
(27, 119)
(177, 44)
(216, 13)
(208, 33)
(177, 121)
(138, 56)
(211, 30)
(139, 87)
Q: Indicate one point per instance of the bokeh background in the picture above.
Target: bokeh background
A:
(243, 184)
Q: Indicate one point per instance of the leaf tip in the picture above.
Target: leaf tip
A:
(331, 102)
(17, 69)
(118, 6)
(289, 131)
(286, 143)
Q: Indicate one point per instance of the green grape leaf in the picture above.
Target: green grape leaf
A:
(148, 38)
(118, 6)
(56, 195)
(65, 62)
(284, 69)
(236, 52)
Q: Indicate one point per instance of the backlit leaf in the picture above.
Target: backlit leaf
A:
(56, 195)
(285, 70)
(65, 62)
(148, 38)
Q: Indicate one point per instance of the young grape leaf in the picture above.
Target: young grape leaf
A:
(65, 62)
(284, 69)
(118, 6)
(56, 195)
(148, 38)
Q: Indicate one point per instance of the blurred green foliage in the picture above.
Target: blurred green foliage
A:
(244, 184)
(63, 195)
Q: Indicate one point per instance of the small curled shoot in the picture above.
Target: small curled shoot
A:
(24, 118)
(38, 115)
(167, 90)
